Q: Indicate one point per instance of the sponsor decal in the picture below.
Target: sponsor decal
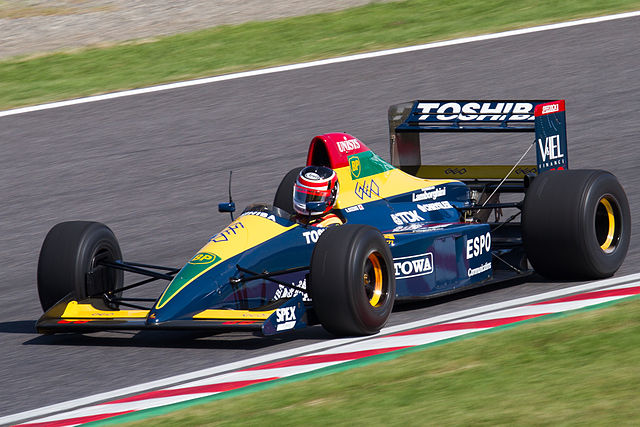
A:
(348, 145)
(198, 265)
(354, 167)
(455, 171)
(410, 227)
(478, 245)
(436, 206)
(429, 193)
(285, 318)
(267, 215)
(413, 266)
(312, 236)
(354, 208)
(204, 258)
(407, 217)
(552, 108)
(366, 164)
(549, 108)
(285, 314)
(241, 322)
(420, 227)
(474, 111)
(525, 171)
(367, 189)
(284, 292)
(475, 271)
(550, 151)
(438, 227)
(312, 176)
(230, 231)
(390, 239)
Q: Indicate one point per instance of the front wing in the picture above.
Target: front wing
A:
(91, 315)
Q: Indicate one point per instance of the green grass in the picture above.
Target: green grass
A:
(25, 81)
(578, 370)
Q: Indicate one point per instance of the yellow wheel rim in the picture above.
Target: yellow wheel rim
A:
(373, 280)
(608, 223)
(611, 218)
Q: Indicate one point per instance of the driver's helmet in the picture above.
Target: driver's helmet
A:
(315, 184)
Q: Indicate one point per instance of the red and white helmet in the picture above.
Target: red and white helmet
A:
(315, 184)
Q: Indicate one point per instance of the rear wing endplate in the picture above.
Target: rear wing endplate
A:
(545, 118)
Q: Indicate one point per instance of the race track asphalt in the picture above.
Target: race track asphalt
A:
(153, 167)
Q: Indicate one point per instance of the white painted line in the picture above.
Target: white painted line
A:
(175, 380)
(112, 395)
(462, 315)
(404, 340)
(543, 309)
(303, 65)
(136, 405)
(122, 407)
(626, 285)
(218, 383)
(258, 374)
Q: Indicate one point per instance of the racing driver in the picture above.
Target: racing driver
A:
(316, 184)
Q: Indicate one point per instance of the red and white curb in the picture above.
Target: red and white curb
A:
(314, 357)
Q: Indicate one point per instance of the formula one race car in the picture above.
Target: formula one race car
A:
(402, 236)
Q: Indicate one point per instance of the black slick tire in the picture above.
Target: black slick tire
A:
(352, 280)
(284, 194)
(68, 262)
(576, 224)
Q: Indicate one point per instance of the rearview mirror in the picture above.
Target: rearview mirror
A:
(226, 207)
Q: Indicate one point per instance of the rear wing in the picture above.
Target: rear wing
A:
(545, 118)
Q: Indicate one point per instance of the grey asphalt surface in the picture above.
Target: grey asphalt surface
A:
(154, 167)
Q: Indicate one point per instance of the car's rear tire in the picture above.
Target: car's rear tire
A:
(576, 224)
(68, 262)
(352, 280)
(284, 194)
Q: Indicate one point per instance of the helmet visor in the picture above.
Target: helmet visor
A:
(303, 195)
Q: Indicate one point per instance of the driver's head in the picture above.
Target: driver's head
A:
(315, 184)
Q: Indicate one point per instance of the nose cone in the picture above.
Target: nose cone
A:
(204, 281)
(181, 298)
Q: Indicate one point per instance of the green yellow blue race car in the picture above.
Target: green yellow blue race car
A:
(408, 231)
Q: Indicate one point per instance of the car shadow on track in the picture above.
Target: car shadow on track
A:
(179, 339)
(18, 327)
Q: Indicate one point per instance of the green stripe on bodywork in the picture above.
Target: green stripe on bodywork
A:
(198, 265)
(365, 164)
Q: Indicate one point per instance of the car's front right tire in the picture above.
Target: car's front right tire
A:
(70, 258)
(284, 195)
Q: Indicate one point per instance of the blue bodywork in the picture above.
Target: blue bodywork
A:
(433, 252)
